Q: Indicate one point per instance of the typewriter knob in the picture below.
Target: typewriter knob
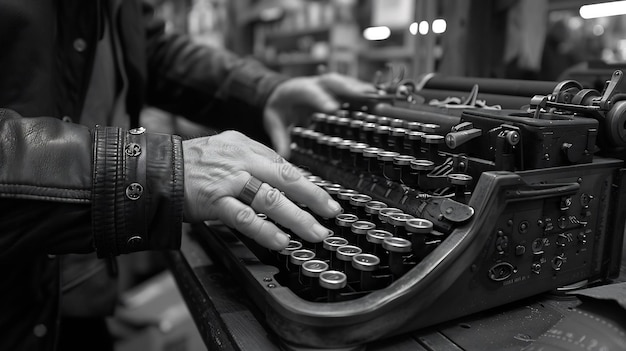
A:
(616, 122)
(585, 97)
(512, 137)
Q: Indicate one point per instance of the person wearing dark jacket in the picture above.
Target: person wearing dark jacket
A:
(78, 175)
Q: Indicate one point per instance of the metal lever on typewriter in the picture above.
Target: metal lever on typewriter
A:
(461, 134)
(609, 108)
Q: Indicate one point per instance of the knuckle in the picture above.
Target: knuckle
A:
(244, 217)
(303, 217)
(273, 198)
(288, 173)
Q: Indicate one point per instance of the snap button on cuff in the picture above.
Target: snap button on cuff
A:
(40, 330)
(134, 242)
(137, 131)
(133, 149)
(134, 191)
(80, 45)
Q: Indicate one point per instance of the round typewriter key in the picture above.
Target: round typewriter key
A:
(381, 136)
(421, 165)
(402, 169)
(371, 118)
(396, 139)
(418, 226)
(329, 247)
(430, 127)
(320, 122)
(343, 197)
(344, 222)
(357, 203)
(321, 146)
(383, 216)
(333, 147)
(383, 121)
(333, 189)
(343, 124)
(413, 143)
(344, 256)
(364, 264)
(371, 211)
(322, 183)
(333, 282)
(398, 248)
(359, 115)
(432, 142)
(355, 129)
(331, 123)
(298, 257)
(286, 252)
(358, 161)
(376, 237)
(309, 274)
(398, 221)
(460, 182)
(370, 155)
(397, 123)
(367, 133)
(345, 157)
(313, 268)
(416, 126)
(360, 229)
(313, 178)
(385, 162)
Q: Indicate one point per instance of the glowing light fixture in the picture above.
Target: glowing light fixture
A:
(376, 33)
(423, 27)
(413, 28)
(613, 8)
(439, 25)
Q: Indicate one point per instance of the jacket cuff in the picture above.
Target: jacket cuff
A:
(137, 191)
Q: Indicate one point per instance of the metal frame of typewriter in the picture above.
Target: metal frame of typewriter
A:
(546, 212)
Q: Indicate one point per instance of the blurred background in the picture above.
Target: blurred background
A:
(528, 39)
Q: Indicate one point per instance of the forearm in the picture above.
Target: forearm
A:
(194, 80)
(63, 188)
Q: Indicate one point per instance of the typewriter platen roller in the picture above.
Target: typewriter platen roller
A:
(443, 220)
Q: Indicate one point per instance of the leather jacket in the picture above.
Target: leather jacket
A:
(67, 188)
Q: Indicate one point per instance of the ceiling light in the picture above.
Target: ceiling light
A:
(613, 8)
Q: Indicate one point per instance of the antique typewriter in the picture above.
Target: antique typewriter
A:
(451, 208)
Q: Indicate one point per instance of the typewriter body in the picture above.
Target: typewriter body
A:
(449, 210)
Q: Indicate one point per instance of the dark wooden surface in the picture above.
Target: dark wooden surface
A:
(227, 319)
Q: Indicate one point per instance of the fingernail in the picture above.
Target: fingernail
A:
(320, 231)
(334, 206)
(281, 240)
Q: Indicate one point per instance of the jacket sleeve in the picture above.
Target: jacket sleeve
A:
(198, 81)
(67, 189)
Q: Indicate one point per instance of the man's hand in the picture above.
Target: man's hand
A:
(293, 102)
(218, 167)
